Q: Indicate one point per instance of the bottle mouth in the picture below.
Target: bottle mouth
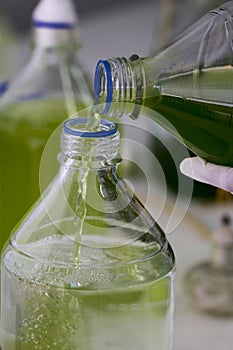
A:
(78, 142)
(103, 89)
(76, 127)
(118, 86)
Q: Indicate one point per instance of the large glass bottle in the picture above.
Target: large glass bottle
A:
(88, 268)
(50, 88)
(187, 87)
(174, 18)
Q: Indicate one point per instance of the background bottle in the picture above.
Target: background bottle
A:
(50, 88)
(88, 267)
(187, 87)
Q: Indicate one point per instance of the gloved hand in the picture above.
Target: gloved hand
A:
(212, 174)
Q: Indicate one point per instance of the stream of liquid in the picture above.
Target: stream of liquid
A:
(92, 124)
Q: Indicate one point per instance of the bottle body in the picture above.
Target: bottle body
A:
(37, 101)
(187, 86)
(88, 267)
(103, 313)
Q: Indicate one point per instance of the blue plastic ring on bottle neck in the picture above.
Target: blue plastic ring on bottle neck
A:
(4, 85)
(68, 124)
(102, 64)
(53, 25)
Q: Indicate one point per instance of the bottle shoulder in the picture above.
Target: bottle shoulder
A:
(49, 89)
(117, 233)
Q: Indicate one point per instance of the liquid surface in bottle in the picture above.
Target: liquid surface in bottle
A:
(24, 131)
(57, 306)
(200, 107)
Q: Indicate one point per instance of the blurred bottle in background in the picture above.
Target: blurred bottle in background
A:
(49, 89)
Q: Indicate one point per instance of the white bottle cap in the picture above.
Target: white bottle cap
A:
(58, 14)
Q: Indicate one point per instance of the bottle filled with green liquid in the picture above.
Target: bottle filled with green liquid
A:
(88, 268)
(186, 87)
(50, 88)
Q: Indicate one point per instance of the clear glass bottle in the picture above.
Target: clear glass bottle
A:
(174, 18)
(50, 88)
(88, 268)
(187, 87)
(209, 284)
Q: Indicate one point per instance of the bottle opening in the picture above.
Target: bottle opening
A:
(103, 89)
(77, 127)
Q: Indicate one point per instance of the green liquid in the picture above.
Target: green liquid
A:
(200, 107)
(115, 306)
(24, 130)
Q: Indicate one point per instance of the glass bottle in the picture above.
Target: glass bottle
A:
(88, 267)
(209, 284)
(174, 18)
(50, 88)
(187, 87)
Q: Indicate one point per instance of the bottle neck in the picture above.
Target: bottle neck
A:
(120, 86)
(92, 149)
(55, 36)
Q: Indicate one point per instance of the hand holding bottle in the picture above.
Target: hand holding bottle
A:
(209, 173)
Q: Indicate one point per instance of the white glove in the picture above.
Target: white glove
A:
(212, 174)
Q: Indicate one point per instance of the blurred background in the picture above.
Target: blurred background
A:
(108, 27)
(111, 28)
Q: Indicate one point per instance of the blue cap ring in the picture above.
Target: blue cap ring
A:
(53, 25)
(101, 66)
(110, 128)
(4, 85)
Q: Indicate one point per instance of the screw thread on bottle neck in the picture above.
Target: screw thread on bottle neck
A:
(77, 142)
(119, 86)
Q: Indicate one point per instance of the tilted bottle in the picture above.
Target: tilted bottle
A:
(50, 88)
(174, 18)
(187, 87)
(88, 267)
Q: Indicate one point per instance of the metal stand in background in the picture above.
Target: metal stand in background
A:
(210, 284)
